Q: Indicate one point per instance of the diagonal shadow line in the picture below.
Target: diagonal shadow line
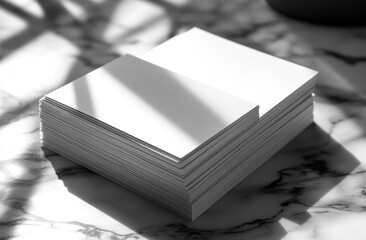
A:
(19, 40)
(125, 35)
(86, 97)
(55, 11)
(171, 101)
(87, 37)
(20, 13)
(83, 96)
(36, 28)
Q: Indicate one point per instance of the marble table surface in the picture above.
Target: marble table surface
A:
(314, 188)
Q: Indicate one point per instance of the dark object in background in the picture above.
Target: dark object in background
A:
(327, 12)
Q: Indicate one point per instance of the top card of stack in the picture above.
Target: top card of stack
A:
(155, 108)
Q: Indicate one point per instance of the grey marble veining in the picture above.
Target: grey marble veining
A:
(314, 188)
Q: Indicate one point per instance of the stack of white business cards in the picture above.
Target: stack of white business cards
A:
(184, 123)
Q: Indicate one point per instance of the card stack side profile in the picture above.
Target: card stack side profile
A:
(185, 122)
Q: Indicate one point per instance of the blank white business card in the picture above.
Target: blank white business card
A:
(161, 108)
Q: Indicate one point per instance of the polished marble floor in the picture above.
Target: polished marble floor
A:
(314, 188)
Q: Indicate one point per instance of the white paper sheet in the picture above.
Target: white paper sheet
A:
(159, 107)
